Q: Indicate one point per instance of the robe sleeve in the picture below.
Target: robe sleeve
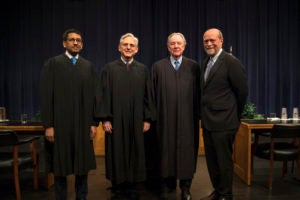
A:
(46, 94)
(104, 107)
(149, 109)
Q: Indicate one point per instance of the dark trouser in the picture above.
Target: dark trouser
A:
(218, 152)
(81, 187)
(171, 183)
(185, 184)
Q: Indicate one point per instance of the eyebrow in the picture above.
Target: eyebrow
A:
(209, 40)
(126, 44)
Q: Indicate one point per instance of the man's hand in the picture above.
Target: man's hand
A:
(107, 127)
(146, 126)
(93, 131)
(49, 134)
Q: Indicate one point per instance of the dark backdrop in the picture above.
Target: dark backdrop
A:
(264, 35)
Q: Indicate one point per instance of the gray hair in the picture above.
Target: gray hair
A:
(220, 34)
(129, 35)
(179, 34)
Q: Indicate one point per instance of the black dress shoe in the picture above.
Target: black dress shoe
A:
(213, 196)
(186, 195)
(225, 198)
(132, 194)
(167, 193)
(164, 192)
(118, 193)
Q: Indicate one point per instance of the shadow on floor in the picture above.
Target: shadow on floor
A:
(282, 189)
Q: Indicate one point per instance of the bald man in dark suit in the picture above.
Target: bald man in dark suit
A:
(224, 91)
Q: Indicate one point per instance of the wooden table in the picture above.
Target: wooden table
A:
(36, 128)
(242, 146)
(31, 128)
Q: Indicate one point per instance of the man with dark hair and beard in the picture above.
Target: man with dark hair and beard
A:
(68, 90)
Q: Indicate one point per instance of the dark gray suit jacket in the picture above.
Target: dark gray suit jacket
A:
(224, 93)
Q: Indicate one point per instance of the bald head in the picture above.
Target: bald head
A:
(212, 41)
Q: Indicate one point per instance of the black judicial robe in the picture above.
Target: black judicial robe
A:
(176, 95)
(127, 104)
(67, 102)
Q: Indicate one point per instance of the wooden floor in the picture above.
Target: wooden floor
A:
(282, 190)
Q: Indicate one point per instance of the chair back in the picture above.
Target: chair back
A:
(2, 113)
(8, 138)
(285, 131)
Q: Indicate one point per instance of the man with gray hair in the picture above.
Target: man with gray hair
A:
(224, 91)
(176, 85)
(126, 112)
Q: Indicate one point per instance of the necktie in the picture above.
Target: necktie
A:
(208, 68)
(127, 66)
(73, 60)
(176, 65)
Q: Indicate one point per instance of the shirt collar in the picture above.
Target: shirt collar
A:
(70, 56)
(214, 59)
(124, 61)
(173, 60)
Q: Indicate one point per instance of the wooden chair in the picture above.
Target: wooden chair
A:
(13, 160)
(278, 150)
(256, 133)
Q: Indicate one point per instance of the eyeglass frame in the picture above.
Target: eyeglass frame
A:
(78, 40)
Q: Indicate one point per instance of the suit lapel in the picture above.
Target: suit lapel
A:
(204, 64)
(215, 67)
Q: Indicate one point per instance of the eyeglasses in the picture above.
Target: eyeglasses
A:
(79, 40)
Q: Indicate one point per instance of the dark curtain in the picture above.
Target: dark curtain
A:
(264, 35)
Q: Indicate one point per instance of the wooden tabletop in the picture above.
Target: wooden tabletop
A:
(31, 126)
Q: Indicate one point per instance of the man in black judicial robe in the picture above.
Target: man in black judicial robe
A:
(126, 112)
(67, 94)
(176, 94)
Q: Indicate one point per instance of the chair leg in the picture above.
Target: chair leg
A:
(271, 175)
(253, 149)
(284, 169)
(271, 163)
(292, 167)
(35, 167)
(298, 167)
(252, 170)
(36, 177)
(16, 174)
